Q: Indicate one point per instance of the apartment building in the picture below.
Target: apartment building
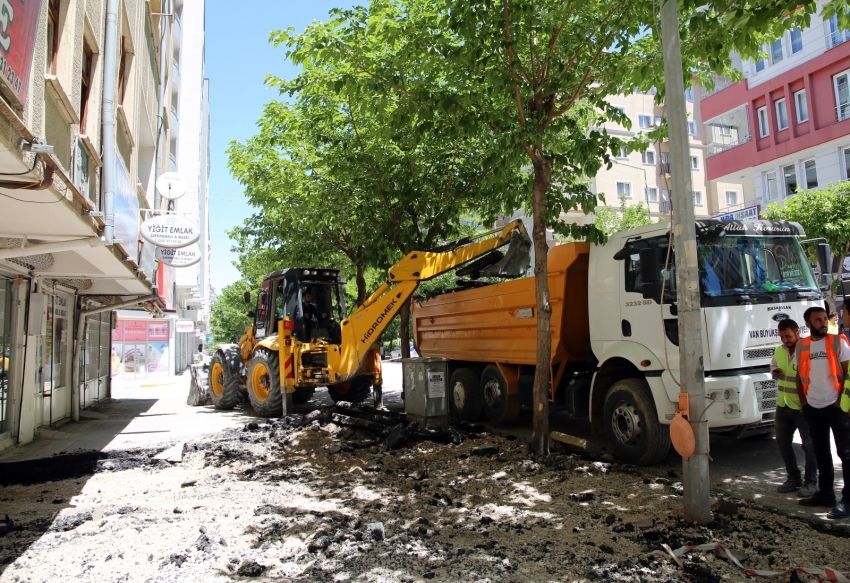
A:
(645, 176)
(78, 148)
(786, 124)
(155, 349)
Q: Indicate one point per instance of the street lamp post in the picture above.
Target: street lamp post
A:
(645, 187)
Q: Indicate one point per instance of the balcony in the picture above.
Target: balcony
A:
(836, 37)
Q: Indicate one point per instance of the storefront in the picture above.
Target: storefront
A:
(142, 348)
(53, 356)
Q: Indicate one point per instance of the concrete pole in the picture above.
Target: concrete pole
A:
(697, 507)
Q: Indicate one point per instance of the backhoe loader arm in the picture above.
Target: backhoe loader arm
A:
(363, 327)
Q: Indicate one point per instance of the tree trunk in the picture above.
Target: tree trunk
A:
(361, 285)
(404, 314)
(540, 435)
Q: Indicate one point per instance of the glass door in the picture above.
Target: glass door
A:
(6, 304)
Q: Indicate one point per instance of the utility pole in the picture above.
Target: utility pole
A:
(695, 470)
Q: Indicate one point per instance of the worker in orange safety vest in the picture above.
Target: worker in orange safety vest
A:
(821, 372)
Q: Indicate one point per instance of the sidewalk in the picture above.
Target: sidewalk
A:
(141, 414)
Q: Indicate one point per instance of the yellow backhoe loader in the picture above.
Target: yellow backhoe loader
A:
(294, 346)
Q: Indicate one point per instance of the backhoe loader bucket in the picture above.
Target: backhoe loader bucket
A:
(516, 261)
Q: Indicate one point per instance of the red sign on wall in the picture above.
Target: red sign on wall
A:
(18, 27)
(118, 332)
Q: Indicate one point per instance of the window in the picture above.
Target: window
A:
(624, 189)
(811, 171)
(53, 28)
(764, 128)
(781, 115)
(697, 198)
(85, 83)
(760, 65)
(644, 121)
(796, 40)
(731, 197)
(651, 194)
(776, 51)
(648, 157)
(122, 72)
(692, 128)
(694, 162)
(689, 94)
(725, 130)
(623, 153)
(770, 186)
(665, 202)
(845, 155)
(802, 106)
(836, 36)
(622, 109)
(632, 281)
(790, 176)
(842, 95)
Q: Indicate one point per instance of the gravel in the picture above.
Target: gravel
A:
(293, 499)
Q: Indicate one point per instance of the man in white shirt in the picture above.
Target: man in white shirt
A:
(821, 371)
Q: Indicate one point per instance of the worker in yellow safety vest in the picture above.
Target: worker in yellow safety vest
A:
(789, 415)
(821, 372)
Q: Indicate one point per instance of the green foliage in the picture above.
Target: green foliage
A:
(822, 213)
(227, 315)
(610, 221)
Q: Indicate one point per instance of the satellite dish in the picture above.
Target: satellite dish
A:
(170, 185)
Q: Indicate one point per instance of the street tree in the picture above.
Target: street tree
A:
(228, 321)
(823, 213)
(609, 220)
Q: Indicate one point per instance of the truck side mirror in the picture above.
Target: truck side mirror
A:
(650, 274)
(823, 254)
(247, 297)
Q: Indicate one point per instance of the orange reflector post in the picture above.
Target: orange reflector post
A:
(378, 363)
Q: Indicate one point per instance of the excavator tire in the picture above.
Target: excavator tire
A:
(302, 395)
(226, 388)
(264, 384)
(354, 391)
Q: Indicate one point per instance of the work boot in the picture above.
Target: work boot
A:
(808, 490)
(789, 485)
(818, 499)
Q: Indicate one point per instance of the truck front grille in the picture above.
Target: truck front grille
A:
(317, 359)
(758, 353)
(766, 392)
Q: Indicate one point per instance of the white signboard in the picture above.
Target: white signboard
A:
(183, 257)
(184, 326)
(170, 231)
(436, 384)
(751, 213)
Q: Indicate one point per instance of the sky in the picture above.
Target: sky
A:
(238, 58)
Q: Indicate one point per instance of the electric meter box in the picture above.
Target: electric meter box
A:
(426, 390)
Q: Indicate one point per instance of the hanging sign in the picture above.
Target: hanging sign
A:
(183, 257)
(170, 231)
(185, 326)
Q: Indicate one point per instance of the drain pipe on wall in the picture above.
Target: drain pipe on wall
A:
(82, 322)
(110, 71)
(163, 80)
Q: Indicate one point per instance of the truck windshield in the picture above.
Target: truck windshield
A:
(738, 265)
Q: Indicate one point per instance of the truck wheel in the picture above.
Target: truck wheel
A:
(353, 391)
(499, 406)
(264, 384)
(631, 423)
(465, 394)
(302, 395)
(225, 386)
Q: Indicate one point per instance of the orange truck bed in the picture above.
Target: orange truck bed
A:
(498, 323)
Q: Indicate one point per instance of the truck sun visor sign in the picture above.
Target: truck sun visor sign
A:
(752, 228)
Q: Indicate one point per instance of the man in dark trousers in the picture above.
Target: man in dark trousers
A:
(821, 372)
(789, 415)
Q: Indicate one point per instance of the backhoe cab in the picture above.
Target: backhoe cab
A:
(295, 345)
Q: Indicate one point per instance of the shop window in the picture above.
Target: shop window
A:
(6, 353)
